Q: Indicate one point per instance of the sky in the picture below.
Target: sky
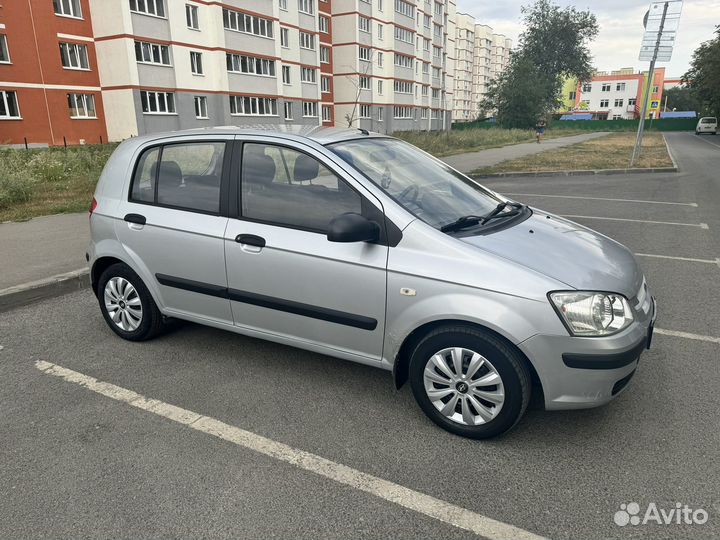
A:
(618, 43)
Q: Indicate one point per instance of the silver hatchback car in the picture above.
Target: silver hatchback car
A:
(363, 247)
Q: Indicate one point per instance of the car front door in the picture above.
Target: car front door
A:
(173, 227)
(285, 277)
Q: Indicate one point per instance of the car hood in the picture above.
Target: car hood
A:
(560, 249)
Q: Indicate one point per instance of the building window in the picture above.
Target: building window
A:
(326, 113)
(426, 21)
(68, 8)
(425, 90)
(380, 87)
(283, 4)
(655, 89)
(586, 87)
(247, 24)
(617, 117)
(365, 54)
(363, 24)
(252, 106)
(201, 110)
(196, 63)
(286, 74)
(380, 32)
(4, 51)
(307, 41)
(436, 93)
(239, 63)
(152, 53)
(619, 102)
(605, 87)
(402, 60)
(620, 87)
(365, 111)
(157, 102)
(9, 105)
(572, 95)
(405, 8)
(402, 112)
(324, 55)
(380, 111)
(632, 101)
(306, 6)
(284, 37)
(604, 103)
(402, 34)
(74, 56)
(380, 59)
(147, 7)
(308, 75)
(426, 68)
(288, 109)
(324, 24)
(310, 109)
(380, 5)
(364, 83)
(403, 87)
(325, 84)
(438, 8)
(81, 105)
(191, 17)
(424, 113)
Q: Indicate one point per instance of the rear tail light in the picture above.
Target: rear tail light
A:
(93, 206)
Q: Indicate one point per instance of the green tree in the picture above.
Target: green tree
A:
(703, 77)
(681, 98)
(553, 46)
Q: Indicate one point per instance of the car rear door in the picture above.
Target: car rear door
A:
(284, 277)
(172, 224)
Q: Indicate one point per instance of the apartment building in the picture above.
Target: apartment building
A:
(172, 64)
(49, 85)
(393, 63)
(619, 94)
(481, 56)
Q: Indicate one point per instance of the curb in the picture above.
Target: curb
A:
(667, 147)
(588, 172)
(27, 293)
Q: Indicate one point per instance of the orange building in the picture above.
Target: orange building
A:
(49, 84)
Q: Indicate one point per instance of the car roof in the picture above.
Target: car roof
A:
(319, 134)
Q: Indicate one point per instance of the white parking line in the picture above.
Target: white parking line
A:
(599, 199)
(701, 225)
(705, 141)
(687, 335)
(408, 498)
(689, 259)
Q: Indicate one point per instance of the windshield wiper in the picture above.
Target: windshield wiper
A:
(471, 220)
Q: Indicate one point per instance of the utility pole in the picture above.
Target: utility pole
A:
(651, 77)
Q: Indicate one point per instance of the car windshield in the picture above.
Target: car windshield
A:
(427, 188)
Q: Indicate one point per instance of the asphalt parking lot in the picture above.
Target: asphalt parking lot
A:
(77, 463)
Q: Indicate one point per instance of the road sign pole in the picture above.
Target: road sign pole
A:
(651, 77)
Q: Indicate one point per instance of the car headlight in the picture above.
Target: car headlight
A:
(588, 313)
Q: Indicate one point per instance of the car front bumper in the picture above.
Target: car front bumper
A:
(582, 372)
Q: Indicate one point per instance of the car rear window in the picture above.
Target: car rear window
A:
(185, 176)
(708, 121)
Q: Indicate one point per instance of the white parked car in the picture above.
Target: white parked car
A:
(707, 124)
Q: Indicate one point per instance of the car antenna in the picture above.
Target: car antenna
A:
(364, 131)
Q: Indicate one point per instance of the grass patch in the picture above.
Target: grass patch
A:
(46, 181)
(610, 152)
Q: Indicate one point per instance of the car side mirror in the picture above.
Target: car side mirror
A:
(352, 227)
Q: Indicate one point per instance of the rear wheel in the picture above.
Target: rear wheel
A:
(469, 382)
(126, 304)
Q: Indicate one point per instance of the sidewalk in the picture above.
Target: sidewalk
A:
(42, 247)
(471, 161)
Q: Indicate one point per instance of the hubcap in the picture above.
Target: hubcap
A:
(464, 386)
(123, 304)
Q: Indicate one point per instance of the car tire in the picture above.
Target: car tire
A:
(481, 411)
(127, 305)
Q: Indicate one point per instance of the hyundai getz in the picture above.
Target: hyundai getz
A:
(363, 247)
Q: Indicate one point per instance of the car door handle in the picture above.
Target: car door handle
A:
(135, 218)
(250, 240)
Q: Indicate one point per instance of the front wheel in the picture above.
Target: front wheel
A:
(127, 305)
(469, 382)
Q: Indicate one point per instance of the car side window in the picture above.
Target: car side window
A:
(284, 186)
(185, 175)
